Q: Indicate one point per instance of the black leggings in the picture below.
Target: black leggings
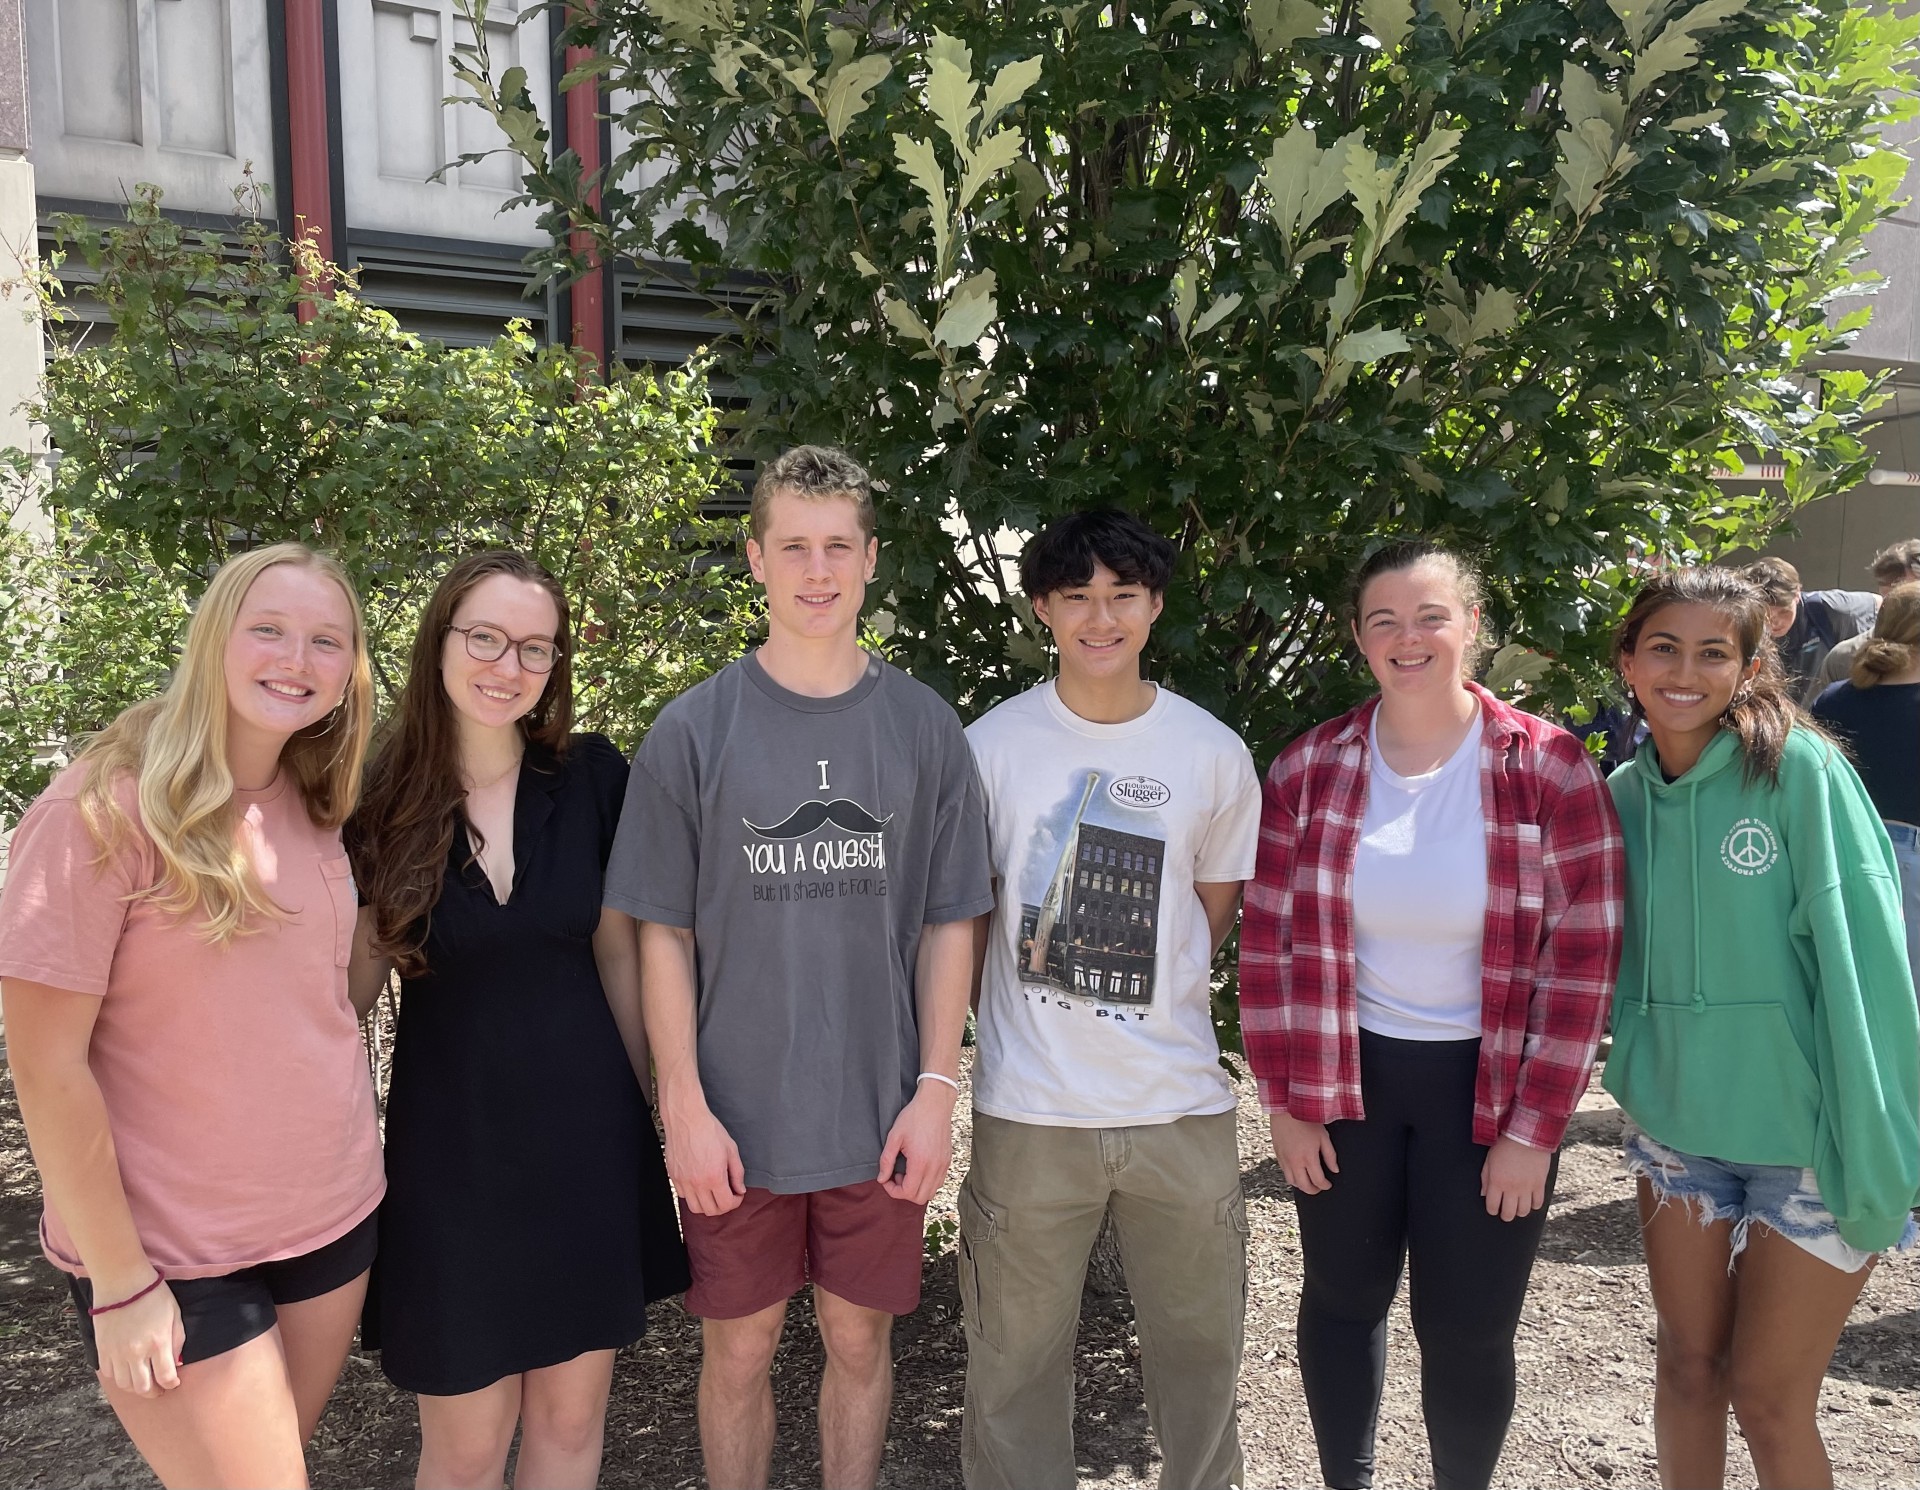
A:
(1409, 1187)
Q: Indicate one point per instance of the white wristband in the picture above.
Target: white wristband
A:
(936, 1076)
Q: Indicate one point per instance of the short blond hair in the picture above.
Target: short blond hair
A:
(812, 472)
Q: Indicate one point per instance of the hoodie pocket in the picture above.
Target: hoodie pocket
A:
(1726, 1081)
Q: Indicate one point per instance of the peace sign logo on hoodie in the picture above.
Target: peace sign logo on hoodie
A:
(1750, 847)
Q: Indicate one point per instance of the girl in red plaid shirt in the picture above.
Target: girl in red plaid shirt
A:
(1428, 949)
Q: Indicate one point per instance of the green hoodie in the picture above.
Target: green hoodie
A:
(1765, 1013)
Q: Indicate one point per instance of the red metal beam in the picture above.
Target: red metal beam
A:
(590, 290)
(312, 185)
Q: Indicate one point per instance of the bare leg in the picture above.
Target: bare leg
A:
(563, 1423)
(464, 1438)
(1693, 1295)
(315, 1336)
(856, 1392)
(736, 1398)
(229, 1425)
(1791, 1309)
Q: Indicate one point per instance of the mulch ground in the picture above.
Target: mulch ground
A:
(1585, 1347)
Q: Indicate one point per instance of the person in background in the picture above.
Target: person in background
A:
(1896, 564)
(1123, 820)
(1766, 1044)
(806, 848)
(528, 1222)
(174, 938)
(1877, 713)
(1807, 624)
(1429, 941)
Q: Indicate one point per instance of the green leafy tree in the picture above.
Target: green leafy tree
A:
(231, 406)
(1523, 274)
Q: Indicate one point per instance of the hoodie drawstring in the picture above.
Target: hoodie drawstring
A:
(1693, 863)
(1646, 904)
(1646, 917)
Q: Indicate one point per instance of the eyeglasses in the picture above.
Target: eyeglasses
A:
(489, 644)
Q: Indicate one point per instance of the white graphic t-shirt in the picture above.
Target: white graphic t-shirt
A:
(1094, 1008)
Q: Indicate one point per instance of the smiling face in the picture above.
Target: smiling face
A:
(815, 563)
(1684, 670)
(1415, 629)
(1100, 627)
(493, 694)
(289, 656)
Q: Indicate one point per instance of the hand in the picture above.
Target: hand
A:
(1514, 1179)
(139, 1346)
(703, 1162)
(1301, 1150)
(924, 1134)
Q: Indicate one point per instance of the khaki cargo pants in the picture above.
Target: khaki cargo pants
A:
(1029, 1213)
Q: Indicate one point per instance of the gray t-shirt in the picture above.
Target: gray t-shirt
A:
(806, 841)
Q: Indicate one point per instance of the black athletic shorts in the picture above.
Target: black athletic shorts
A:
(224, 1313)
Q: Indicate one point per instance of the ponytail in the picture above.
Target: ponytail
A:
(1895, 644)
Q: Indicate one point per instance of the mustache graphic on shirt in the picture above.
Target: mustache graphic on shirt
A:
(842, 812)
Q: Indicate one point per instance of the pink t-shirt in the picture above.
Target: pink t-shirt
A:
(235, 1081)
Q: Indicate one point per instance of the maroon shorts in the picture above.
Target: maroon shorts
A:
(856, 1242)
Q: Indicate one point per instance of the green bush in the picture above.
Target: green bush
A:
(1524, 274)
(231, 406)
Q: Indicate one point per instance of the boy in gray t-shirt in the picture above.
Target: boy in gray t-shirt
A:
(804, 843)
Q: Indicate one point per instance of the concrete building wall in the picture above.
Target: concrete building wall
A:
(173, 92)
(22, 352)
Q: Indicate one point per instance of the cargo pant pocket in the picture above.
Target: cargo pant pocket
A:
(980, 1268)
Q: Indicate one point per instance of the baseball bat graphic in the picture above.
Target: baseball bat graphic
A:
(1062, 880)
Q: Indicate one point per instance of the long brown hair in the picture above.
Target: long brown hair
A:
(1763, 711)
(400, 837)
(1895, 644)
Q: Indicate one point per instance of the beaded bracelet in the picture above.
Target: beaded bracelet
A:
(96, 1310)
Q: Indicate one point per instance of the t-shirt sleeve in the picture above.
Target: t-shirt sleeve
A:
(960, 877)
(654, 868)
(62, 913)
(1232, 841)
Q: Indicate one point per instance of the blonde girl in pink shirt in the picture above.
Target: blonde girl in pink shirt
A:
(174, 939)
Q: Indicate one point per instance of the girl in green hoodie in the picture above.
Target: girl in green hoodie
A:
(1765, 1042)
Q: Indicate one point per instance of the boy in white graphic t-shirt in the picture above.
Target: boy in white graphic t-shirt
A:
(1123, 820)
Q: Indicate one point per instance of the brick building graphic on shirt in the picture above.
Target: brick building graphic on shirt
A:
(1100, 913)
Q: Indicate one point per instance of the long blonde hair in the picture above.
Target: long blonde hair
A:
(1895, 644)
(175, 746)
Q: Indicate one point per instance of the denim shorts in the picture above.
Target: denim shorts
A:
(1781, 1197)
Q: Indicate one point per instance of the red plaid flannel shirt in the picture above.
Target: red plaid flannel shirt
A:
(1556, 877)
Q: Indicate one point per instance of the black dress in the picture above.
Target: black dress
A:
(528, 1217)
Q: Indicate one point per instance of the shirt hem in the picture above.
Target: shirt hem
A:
(646, 910)
(1110, 1120)
(55, 977)
(811, 1184)
(185, 1272)
(967, 909)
